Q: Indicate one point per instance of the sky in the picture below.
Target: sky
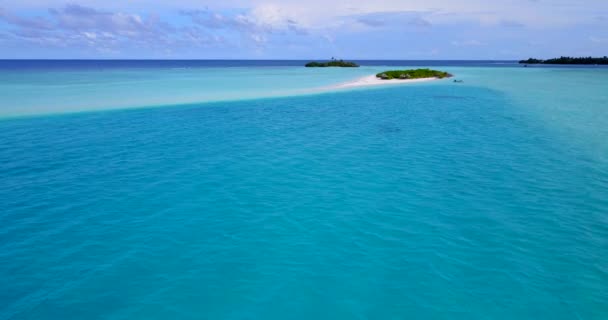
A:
(302, 29)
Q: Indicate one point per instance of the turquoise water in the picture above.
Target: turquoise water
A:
(72, 90)
(482, 200)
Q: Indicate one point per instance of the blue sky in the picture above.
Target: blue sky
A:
(303, 29)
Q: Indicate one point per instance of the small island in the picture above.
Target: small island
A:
(412, 74)
(568, 60)
(332, 63)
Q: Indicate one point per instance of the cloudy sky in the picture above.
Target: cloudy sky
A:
(303, 29)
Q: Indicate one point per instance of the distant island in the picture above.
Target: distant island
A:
(412, 74)
(332, 63)
(567, 60)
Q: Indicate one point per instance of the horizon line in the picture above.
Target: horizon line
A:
(219, 59)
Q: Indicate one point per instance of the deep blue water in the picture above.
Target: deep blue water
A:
(437, 201)
(112, 64)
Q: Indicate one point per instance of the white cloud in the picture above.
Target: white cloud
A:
(101, 30)
(309, 14)
(336, 26)
(318, 14)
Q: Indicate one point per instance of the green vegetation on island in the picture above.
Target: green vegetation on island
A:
(567, 60)
(412, 74)
(332, 63)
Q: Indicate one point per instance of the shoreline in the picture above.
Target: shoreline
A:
(372, 80)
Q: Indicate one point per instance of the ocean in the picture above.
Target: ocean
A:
(252, 190)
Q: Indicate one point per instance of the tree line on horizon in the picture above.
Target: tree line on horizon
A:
(568, 60)
(332, 63)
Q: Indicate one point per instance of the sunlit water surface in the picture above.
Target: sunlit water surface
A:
(481, 200)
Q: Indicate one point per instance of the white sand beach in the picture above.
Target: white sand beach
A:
(372, 80)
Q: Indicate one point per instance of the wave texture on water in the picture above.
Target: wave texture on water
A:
(428, 202)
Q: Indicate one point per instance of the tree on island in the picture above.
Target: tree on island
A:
(412, 74)
(332, 63)
(568, 60)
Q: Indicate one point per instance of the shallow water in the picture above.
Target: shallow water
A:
(56, 86)
(481, 200)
